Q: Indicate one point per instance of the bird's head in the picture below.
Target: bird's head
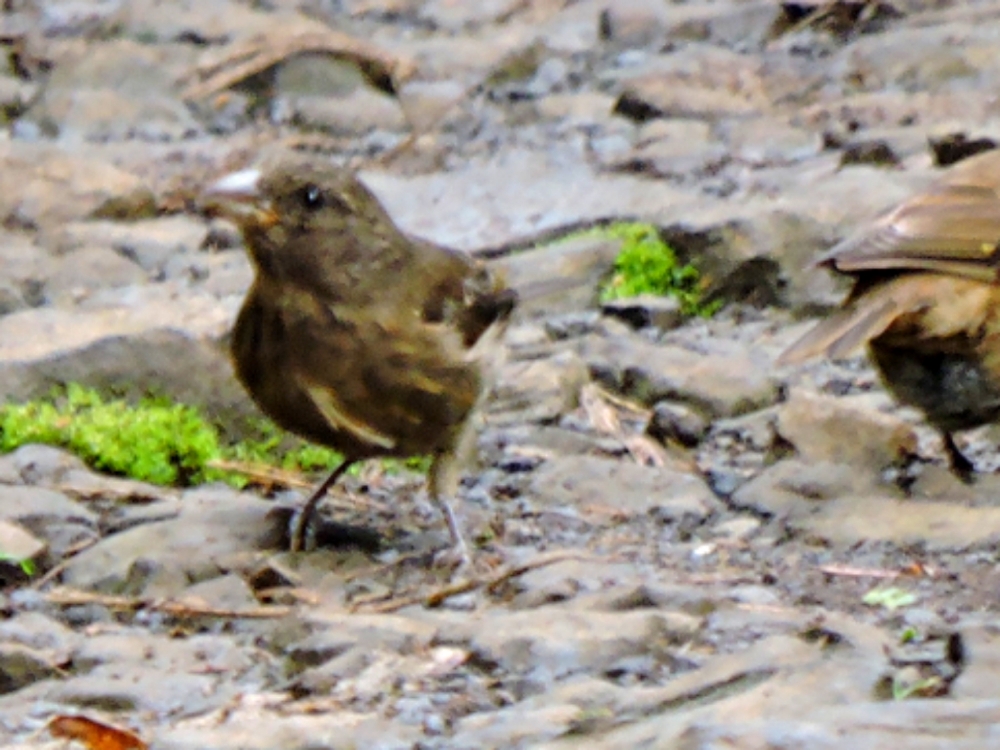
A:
(301, 214)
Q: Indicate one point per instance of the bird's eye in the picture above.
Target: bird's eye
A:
(312, 197)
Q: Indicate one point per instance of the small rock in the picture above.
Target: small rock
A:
(539, 391)
(720, 384)
(581, 481)
(75, 277)
(44, 185)
(843, 430)
(646, 310)
(21, 666)
(676, 422)
(18, 545)
(573, 268)
(150, 244)
(112, 90)
(794, 487)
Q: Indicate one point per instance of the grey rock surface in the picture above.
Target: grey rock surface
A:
(676, 543)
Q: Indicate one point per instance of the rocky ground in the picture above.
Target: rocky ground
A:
(680, 546)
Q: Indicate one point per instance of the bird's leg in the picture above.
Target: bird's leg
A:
(960, 466)
(302, 520)
(441, 481)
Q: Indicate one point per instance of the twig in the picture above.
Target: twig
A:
(68, 597)
(270, 477)
(849, 571)
(621, 402)
(490, 583)
(63, 564)
(245, 59)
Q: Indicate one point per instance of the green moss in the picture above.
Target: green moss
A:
(155, 440)
(648, 265)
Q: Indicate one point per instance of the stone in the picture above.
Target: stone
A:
(580, 481)
(21, 666)
(19, 546)
(536, 197)
(212, 524)
(140, 343)
(149, 244)
(538, 390)
(704, 82)
(114, 90)
(76, 276)
(720, 384)
(42, 185)
(843, 430)
(574, 269)
(676, 422)
(646, 310)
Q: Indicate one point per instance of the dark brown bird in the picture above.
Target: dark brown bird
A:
(926, 301)
(354, 335)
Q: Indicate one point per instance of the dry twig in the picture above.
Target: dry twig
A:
(68, 597)
(490, 583)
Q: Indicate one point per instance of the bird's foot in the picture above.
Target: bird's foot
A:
(457, 555)
(302, 530)
(960, 466)
(455, 558)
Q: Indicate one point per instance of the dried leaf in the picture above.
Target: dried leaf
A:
(645, 450)
(244, 59)
(602, 416)
(93, 734)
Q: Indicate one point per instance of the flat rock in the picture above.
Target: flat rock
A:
(154, 340)
(43, 185)
(874, 518)
(19, 545)
(76, 276)
(725, 383)
(827, 429)
(149, 244)
(796, 488)
(552, 643)
(702, 82)
(116, 89)
(630, 489)
(538, 194)
(55, 520)
(211, 525)
(573, 268)
(538, 390)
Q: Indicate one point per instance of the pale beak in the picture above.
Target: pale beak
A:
(237, 196)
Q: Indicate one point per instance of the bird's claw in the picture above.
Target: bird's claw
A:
(455, 558)
(301, 532)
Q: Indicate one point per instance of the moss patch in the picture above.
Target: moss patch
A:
(156, 440)
(648, 265)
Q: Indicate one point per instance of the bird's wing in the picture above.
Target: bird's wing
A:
(461, 293)
(395, 384)
(844, 331)
(953, 228)
(924, 310)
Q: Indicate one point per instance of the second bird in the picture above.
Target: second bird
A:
(353, 334)
(926, 301)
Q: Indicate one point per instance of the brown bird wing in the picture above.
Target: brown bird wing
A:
(921, 311)
(401, 375)
(952, 229)
(463, 294)
(845, 330)
(392, 386)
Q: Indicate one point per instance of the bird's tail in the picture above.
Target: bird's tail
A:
(846, 330)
